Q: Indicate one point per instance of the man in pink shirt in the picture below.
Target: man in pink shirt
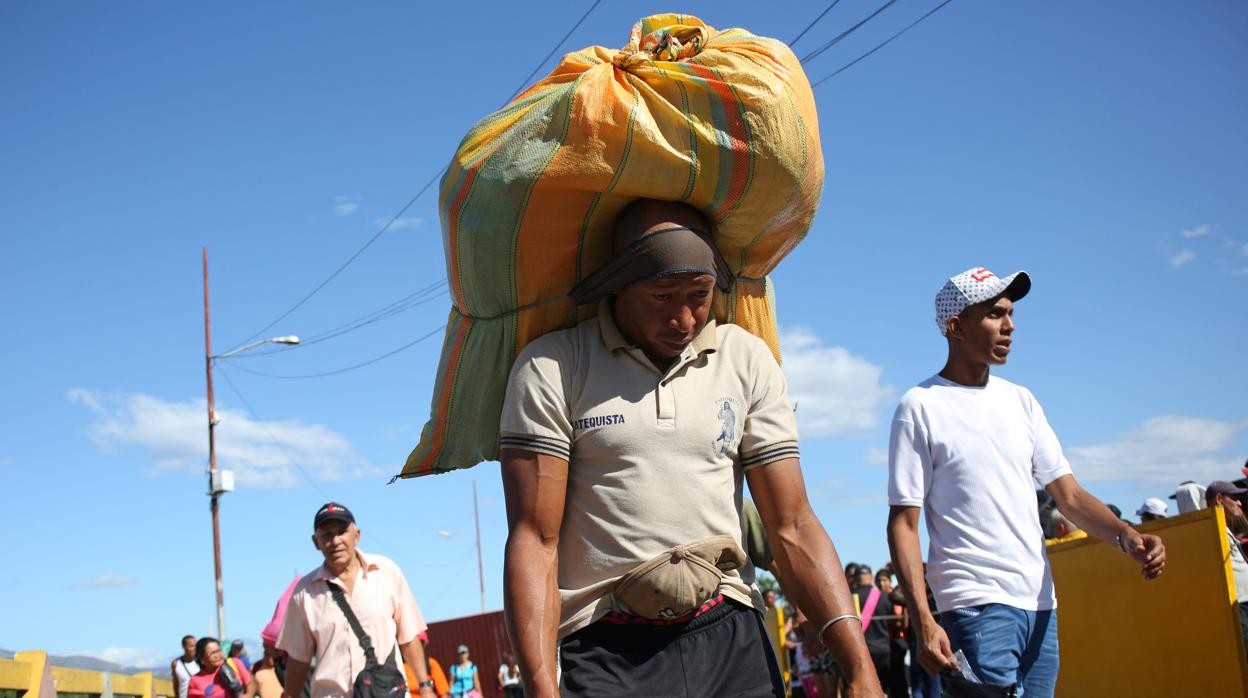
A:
(378, 595)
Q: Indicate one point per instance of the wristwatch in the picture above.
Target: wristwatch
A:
(427, 683)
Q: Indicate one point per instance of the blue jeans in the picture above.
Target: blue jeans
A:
(1007, 646)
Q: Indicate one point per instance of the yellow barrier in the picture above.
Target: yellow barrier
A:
(30, 674)
(1178, 635)
(773, 622)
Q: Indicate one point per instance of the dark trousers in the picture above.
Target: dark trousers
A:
(723, 652)
(922, 684)
(890, 669)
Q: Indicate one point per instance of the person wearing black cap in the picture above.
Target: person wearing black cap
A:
(971, 447)
(317, 627)
(626, 442)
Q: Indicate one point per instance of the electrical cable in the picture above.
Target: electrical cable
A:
(813, 22)
(411, 201)
(362, 364)
(524, 83)
(413, 300)
(837, 39)
(850, 64)
(272, 437)
(350, 259)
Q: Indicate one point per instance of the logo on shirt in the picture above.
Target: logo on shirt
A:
(727, 439)
(595, 422)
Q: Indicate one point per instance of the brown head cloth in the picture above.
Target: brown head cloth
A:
(672, 250)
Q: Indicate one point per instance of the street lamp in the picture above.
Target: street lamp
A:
(221, 481)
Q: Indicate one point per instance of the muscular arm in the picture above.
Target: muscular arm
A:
(935, 653)
(296, 677)
(1087, 512)
(534, 486)
(808, 567)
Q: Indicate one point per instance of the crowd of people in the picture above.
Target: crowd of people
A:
(625, 573)
(329, 630)
(890, 634)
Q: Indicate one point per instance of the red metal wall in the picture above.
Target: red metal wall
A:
(486, 637)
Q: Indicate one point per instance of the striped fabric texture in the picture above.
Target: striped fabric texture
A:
(724, 121)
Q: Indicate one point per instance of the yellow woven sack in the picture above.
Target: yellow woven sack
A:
(724, 121)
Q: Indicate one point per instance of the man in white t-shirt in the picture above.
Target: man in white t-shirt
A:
(971, 448)
(184, 667)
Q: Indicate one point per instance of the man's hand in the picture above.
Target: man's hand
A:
(935, 652)
(1147, 550)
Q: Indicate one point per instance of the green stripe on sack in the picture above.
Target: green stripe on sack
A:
(615, 179)
(500, 192)
(749, 149)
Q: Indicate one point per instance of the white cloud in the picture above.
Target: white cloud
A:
(401, 223)
(834, 391)
(1163, 452)
(1198, 231)
(127, 656)
(345, 205)
(443, 533)
(262, 454)
(111, 580)
(1182, 258)
(877, 456)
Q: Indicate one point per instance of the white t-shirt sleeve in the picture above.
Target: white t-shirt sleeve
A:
(909, 460)
(1047, 461)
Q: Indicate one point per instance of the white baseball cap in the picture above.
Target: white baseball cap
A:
(1190, 496)
(1154, 506)
(973, 286)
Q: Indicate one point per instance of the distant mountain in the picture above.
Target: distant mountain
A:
(91, 664)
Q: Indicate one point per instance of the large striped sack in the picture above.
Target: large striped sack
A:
(724, 121)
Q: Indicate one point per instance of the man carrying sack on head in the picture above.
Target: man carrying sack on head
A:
(355, 616)
(625, 442)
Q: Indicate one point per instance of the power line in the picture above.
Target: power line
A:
(362, 364)
(404, 304)
(813, 22)
(850, 64)
(836, 39)
(524, 83)
(265, 426)
(413, 200)
(350, 259)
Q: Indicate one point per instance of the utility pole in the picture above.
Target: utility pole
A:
(212, 464)
(476, 516)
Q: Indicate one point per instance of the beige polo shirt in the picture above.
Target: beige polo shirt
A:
(315, 626)
(656, 459)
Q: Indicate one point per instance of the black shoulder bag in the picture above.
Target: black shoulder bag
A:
(374, 680)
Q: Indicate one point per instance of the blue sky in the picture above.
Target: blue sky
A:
(1100, 146)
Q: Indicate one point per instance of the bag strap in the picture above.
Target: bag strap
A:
(370, 657)
(868, 609)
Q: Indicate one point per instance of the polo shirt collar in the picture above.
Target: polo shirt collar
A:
(366, 565)
(706, 340)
